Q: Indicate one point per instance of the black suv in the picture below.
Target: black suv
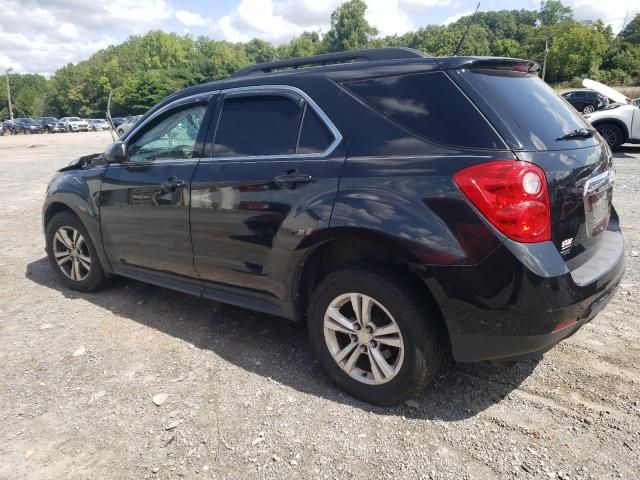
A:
(402, 205)
(586, 101)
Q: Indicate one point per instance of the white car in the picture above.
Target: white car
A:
(75, 124)
(619, 122)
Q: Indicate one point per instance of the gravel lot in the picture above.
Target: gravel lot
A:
(244, 398)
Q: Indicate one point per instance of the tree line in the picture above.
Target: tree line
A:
(144, 69)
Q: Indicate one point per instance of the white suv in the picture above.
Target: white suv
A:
(618, 122)
(74, 124)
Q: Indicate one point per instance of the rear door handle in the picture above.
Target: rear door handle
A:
(293, 178)
(172, 184)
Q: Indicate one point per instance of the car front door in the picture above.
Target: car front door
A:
(270, 179)
(144, 200)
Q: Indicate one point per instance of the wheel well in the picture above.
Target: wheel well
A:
(340, 253)
(54, 209)
(617, 123)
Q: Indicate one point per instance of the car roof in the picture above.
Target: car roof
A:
(281, 72)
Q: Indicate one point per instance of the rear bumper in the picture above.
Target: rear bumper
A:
(518, 303)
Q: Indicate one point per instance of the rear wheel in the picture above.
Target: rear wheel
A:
(72, 254)
(612, 134)
(588, 109)
(373, 336)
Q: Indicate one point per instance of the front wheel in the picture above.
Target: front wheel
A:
(374, 336)
(72, 254)
(588, 109)
(612, 134)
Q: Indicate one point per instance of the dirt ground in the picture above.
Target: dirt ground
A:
(244, 398)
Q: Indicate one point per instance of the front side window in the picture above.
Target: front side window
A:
(171, 136)
(257, 125)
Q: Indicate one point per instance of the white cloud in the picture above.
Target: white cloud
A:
(68, 30)
(190, 19)
(39, 36)
(279, 20)
(388, 17)
(456, 17)
(612, 13)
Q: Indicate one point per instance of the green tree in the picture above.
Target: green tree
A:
(553, 12)
(349, 29)
(631, 32)
(576, 50)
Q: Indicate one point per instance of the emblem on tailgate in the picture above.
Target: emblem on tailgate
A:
(565, 246)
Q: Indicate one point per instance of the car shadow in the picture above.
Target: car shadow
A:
(627, 151)
(277, 348)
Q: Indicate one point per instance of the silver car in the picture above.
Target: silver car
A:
(98, 124)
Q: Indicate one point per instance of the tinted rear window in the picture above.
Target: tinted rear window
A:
(534, 106)
(257, 125)
(430, 105)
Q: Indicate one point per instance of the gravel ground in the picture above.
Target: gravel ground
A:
(241, 397)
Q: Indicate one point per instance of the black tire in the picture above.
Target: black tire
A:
(96, 277)
(588, 108)
(612, 134)
(416, 321)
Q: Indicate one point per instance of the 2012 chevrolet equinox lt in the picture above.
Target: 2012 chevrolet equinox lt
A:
(400, 204)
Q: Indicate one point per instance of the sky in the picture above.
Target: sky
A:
(40, 36)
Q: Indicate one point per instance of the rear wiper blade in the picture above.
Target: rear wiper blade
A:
(578, 133)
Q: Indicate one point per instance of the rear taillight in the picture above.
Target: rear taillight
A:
(512, 195)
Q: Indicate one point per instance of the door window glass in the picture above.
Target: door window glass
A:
(315, 137)
(257, 125)
(172, 136)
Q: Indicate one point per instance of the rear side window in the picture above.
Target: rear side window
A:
(429, 105)
(257, 125)
(315, 137)
(534, 106)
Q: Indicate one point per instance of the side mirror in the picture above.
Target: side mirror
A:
(115, 153)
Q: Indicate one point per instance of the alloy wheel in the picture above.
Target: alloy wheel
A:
(72, 254)
(363, 338)
(609, 136)
(588, 109)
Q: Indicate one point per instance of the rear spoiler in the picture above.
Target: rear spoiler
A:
(492, 63)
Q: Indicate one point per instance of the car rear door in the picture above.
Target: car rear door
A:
(269, 179)
(144, 201)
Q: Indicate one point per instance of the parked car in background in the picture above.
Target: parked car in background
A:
(117, 121)
(98, 124)
(586, 101)
(47, 122)
(9, 127)
(128, 125)
(75, 124)
(58, 127)
(28, 126)
(618, 122)
(468, 209)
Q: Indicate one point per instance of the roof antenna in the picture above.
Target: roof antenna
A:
(464, 35)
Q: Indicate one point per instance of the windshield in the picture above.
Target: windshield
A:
(74, 119)
(534, 106)
(97, 120)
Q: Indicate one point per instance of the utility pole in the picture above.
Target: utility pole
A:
(6, 74)
(544, 63)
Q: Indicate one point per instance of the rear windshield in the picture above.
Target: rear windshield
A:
(534, 106)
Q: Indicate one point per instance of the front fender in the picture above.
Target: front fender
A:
(78, 191)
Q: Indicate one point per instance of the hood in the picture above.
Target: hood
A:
(609, 92)
(81, 162)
